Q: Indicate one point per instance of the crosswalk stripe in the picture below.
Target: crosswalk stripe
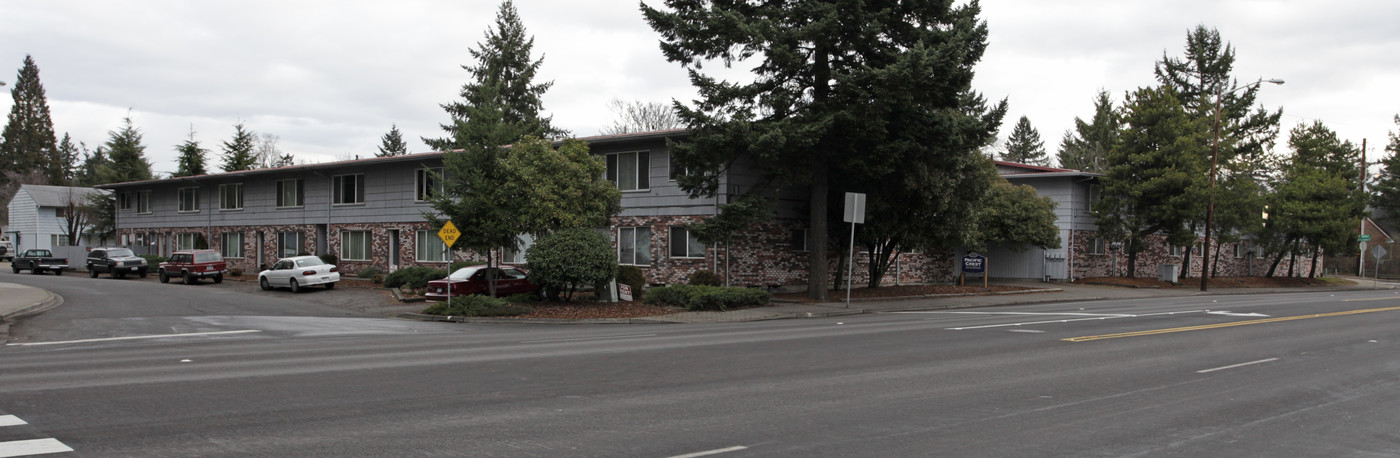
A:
(32, 447)
(11, 420)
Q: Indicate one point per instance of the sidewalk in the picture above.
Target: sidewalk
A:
(17, 301)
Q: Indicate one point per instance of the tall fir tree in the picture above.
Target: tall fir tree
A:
(1385, 195)
(191, 160)
(28, 142)
(1318, 196)
(1087, 145)
(95, 167)
(127, 155)
(238, 151)
(1024, 146)
(501, 91)
(392, 143)
(70, 161)
(882, 98)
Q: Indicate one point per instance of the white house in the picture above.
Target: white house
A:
(39, 216)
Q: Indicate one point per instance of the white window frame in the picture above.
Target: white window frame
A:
(517, 255)
(357, 188)
(347, 240)
(427, 183)
(641, 160)
(188, 199)
(298, 240)
(434, 246)
(627, 239)
(184, 241)
(798, 239)
(231, 245)
(124, 201)
(230, 197)
(297, 193)
(1175, 251)
(1097, 246)
(690, 244)
(143, 202)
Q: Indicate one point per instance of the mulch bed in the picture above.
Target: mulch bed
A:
(1219, 282)
(899, 291)
(591, 310)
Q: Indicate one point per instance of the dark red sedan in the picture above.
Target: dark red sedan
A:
(474, 280)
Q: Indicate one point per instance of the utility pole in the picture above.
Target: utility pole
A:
(1361, 258)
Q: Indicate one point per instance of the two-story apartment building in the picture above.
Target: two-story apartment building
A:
(39, 216)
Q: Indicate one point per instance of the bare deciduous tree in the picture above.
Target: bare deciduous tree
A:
(639, 116)
(77, 217)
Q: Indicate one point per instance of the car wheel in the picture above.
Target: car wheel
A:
(219, 278)
(118, 275)
(162, 276)
(91, 273)
(14, 268)
(142, 274)
(35, 271)
(295, 287)
(262, 282)
(58, 271)
(330, 285)
(189, 279)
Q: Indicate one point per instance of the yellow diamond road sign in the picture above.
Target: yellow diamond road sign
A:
(449, 233)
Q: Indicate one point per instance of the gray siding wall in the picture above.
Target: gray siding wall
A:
(24, 221)
(664, 197)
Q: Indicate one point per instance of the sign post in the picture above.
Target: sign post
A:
(855, 214)
(449, 234)
(974, 263)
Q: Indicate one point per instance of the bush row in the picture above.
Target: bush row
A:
(699, 297)
(414, 277)
(477, 306)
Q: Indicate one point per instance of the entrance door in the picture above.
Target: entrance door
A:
(258, 261)
(393, 250)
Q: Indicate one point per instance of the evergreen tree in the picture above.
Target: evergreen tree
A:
(70, 158)
(1318, 196)
(191, 160)
(392, 144)
(1386, 192)
(1024, 146)
(95, 167)
(1086, 147)
(127, 155)
(882, 96)
(28, 142)
(238, 151)
(501, 91)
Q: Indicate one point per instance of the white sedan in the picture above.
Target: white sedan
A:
(297, 272)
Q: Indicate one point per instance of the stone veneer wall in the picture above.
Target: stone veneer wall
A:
(1102, 265)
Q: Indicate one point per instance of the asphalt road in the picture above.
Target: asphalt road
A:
(1318, 374)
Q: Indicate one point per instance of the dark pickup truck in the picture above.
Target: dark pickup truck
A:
(39, 260)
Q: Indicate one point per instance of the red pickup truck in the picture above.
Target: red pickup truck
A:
(193, 265)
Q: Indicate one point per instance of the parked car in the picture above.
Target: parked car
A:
(7, 250)
(39, 260)
(476, 280)
(193, 265)
(297, 272)
(116, 262)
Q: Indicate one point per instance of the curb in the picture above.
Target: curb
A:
(472, 319)
(49, 302)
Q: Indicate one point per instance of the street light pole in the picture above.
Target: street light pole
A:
(1214, 155)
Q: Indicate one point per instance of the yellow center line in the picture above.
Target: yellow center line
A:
(1225, 325)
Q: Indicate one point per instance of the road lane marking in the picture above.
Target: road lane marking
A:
(712, 452)
(11, 420)
(1232, 366)
(157, 336)
(580, 339)
(1371, 299)
(32, 447)
(1225, 325)
(1070, 320)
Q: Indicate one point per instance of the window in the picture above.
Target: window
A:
(1196, 249)
(184, 241)
(58, 240)
(634, 246)
(231, 245)
(427, 183)
(348, 189)
(231, 197)
(430, 248)
(1259, 252)
(288, 244)
(1176, 250)
(629, 170)
(124, 200)
(684, 245)
(1096, 245)
(798, 239)
(143, 202)
(60, 212)
(1239, 250)
(189, 199)
(517, 255)
(354, 245)
(677, 170)
(289, 193)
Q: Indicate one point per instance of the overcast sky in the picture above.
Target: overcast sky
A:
(329, 78)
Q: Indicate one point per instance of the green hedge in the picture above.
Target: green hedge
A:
(703, 277)
(633, 276)
(698, 297)
(414, 277)
(475, 305)
(154, 260)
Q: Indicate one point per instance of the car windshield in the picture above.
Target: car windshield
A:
(310, 262)
(119, 252)
(207, 257)
(465, 273)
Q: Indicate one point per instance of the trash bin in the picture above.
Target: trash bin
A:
(1169, 272)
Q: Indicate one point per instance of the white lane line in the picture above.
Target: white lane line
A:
(1071, 320)
(712, 452)
(11, 420)
(1232, 366)
(32, 447)
(1022, 313)
(158, 336)
(1033, 331)
(580, 339)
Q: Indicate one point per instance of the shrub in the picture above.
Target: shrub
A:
(369, 272)
(378, 279)
(632, 276)
(523, 298)
(331, 259)
(414, 277)
(704, 278)
(475, 305)
(461, 264)
(565, 260)
(698, 297)
(235, 272)
(154, 260)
